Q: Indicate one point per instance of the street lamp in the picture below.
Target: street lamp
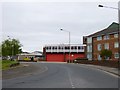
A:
(69, 42)
(118, 27)
(12, 47)
(12, 51)
(107, 7)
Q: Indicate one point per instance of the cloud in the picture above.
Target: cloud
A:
(58, 1)
(37, 24)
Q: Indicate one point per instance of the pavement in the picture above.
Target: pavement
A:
(114, 71)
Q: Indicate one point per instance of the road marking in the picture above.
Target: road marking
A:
(105, 71)
(100, 69)
(70, 80)
(109, 73)
(73, 86)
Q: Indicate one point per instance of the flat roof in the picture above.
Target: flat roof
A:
(64, 45)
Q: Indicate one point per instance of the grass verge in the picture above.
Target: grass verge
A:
(6, 64)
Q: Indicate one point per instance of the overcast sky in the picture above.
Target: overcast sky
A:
(36, 24)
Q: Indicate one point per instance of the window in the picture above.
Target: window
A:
(66, 47)
(55, 47)
(89, 48)
(106, 37)
(115, 35)
(89, 56)
(99, 47)
(99, 38)
(116, 55)
(49, 47)
(82, 47)
(59, 47)
(106, 45)
(89, 40)
(116, 45)
(75, 47)
(78, 47)
(72, 47)
(99, 57)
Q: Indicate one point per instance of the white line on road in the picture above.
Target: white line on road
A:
(98, 68)
(109, 73)
(70, 80)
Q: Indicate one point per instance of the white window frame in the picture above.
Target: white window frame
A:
(89, 40)
(99, 47)
(106, 37)
(89, 56)
(89, 48)
(99, 58)
(99, 38)
(115, 35)
(106, 45)
(116, 55)
(116, 44)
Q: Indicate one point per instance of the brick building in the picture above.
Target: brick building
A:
(60, 53)
(104, 39)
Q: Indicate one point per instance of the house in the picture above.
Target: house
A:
(107, 38)
(60, 52)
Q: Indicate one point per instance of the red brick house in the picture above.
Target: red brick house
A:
(103, 39)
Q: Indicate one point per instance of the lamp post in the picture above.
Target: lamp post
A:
(12, 47)
(69, 42)
(118, 26)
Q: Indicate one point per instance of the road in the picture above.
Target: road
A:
(62, 75)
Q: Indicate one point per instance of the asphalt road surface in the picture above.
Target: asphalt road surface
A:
(61, 75)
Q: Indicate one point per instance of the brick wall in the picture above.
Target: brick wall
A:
(111, 42)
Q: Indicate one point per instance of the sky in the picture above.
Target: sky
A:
(37, 23)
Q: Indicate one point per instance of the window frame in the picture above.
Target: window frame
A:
(106, 44)
(106, 37)
(116, 54)
(99, 38)
(99, 47)
(116, 35)
(116, 45)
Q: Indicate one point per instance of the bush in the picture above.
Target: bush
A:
(106, 53)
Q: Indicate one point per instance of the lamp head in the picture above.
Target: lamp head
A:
(61, 29)
(100, 5)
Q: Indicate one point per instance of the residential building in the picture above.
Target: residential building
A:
(107, 38)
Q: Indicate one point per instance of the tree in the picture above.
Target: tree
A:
(11, 47)
(0, 50)
(106, 53)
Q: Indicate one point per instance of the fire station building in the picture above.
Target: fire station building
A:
(63, 53)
